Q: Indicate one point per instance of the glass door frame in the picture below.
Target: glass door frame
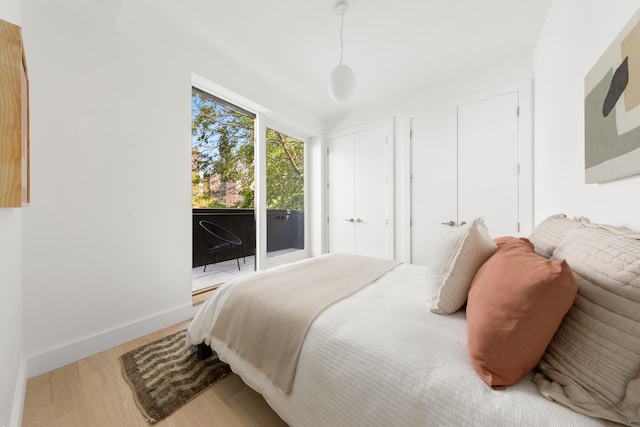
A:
(262, 123)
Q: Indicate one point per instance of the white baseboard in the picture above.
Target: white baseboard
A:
(18, 394)
(60, 356)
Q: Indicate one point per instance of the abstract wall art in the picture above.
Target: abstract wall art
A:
(612, 109)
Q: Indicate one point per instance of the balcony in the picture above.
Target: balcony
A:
(219, 273)
(285, 233)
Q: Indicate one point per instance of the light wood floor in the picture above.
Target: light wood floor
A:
(93, 393)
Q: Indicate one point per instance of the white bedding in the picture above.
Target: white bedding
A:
(381, 358)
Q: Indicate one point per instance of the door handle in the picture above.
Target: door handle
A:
(349, 219)
(358, 220)
(450, 223)
(463, 223)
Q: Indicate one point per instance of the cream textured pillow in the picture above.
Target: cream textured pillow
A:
(593, 363)
(457, 259)
(546, 236)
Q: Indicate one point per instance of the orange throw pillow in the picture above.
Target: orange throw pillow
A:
(516, 302)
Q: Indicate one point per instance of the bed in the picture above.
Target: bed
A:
(381, 357)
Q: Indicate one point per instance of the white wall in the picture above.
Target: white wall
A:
(11, 354)
(12, 370)
(465, 85)
(575, 35)
(107, 238)
(11, 11)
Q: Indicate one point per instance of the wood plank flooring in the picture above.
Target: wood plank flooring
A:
(92, 392)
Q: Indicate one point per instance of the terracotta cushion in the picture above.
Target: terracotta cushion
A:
(517, 300)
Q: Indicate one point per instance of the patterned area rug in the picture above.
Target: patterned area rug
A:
(166, 374)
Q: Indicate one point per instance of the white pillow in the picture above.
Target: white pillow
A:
(457, 258)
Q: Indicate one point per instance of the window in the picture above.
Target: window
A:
(222, 153)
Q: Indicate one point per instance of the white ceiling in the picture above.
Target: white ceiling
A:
(394, 47)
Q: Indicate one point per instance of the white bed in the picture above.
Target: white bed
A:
(381, 358)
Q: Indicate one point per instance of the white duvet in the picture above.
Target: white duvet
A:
(381, 358)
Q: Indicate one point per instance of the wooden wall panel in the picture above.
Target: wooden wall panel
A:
(14, 141)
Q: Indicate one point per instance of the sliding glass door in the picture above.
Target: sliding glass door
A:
(222, 196)
(282, 230)
(248, 178)
(285, 193)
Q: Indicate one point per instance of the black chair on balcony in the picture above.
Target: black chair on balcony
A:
(219, 239)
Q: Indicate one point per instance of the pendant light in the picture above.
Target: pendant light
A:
(342, 80)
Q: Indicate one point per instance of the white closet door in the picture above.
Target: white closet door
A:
(371, 192)
(488, 163)
(358, 194)
(433, 180)
(341, 175)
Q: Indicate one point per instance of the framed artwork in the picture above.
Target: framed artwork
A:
(612, 109)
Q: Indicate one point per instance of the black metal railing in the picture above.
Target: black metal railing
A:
(285, 230)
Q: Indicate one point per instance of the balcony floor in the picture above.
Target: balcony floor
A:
(224, 271)
(219, 273)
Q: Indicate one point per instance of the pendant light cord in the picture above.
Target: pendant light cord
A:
(341, 40)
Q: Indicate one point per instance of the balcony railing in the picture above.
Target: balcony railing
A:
(285, 230)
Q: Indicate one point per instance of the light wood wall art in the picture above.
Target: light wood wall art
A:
(14, 119)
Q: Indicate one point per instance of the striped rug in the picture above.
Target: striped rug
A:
(166, 374)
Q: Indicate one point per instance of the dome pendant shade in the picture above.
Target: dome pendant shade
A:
(342, 83)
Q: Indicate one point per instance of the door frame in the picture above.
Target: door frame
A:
(388, 124)
(525, 155)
